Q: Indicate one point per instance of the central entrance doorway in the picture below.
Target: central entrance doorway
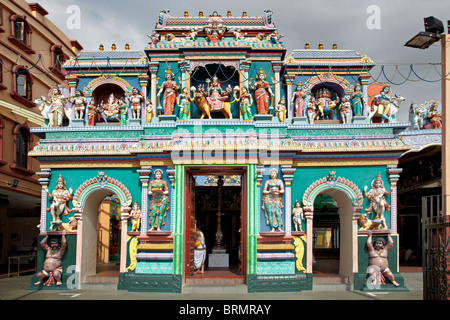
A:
(216, 202)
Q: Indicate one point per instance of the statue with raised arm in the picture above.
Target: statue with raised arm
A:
(79, 104)
(136, 100)
(263, 92)
(378, 202)
(245, 102)
(378, 262)
(53, 266)
(60, 197)
(57, 112)
(170, 88)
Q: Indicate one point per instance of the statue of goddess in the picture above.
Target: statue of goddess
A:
(159, 203)
(272, 202)
(184, 102)
(357, 100)
(245, 102)
(170, 89)
(299, 100)
(262, 92)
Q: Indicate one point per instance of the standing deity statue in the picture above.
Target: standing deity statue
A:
(357, 101)
(56, 113)
(382, 100)
(53, 261)
(79, 104)
(60, 197)
(297, 216)
(159, 203)
(170, 89)
(272, 201)
(378, 262)
(311, 110)
(299, 100)
(149, 111)
(135, 214)
(280, 110)
(417, 113)
(136, 100)
(263, 92)
(91, 113)
(245, 102)
(344, 110)
(378, 202)
(184, 102)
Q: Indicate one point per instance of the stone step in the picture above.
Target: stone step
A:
(215, 289)
(332, 287)
(98, 286)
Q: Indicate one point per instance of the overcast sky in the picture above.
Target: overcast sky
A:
(377, 28)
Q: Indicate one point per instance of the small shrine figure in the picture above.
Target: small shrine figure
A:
(216, 95)
(53, 261)
(245, 102)
(60, 196)
(417, 113)
(357, 100)
(378, 262)
(170, 89)
(56, 113)
(311, 110)
(91, 113)
(199, 251)
(325, 104)
(109, 110)
(299, 100)
(272, 202)
(135, 214)
(123, 110)
(184, 102)
(344, 110)
(435, 116)
(263, 92)
(280, 110)
(378, 202)
(149, 111)
(382, 100)
(297, 216)
(79, 104)
(136, 100)
(159, 203)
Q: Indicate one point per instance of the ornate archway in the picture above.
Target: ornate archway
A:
(86, 201)
(350, 201)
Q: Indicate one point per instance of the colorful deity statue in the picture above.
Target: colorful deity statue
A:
(344, 110)
(272, 201)
(170, 88)
(109, 110)
(56, 114)
(417, 114)
(91, 113)
(123, 111)
(79, 104)
(434, 115)
(378, 202)
(184, 102)
(263, 92)
(297, 216)
(216, 95)
(135, 214)
(325, 104)
(60, 197)
(280, 110)
(159, 203)
(245, 102)
(52, 270)
(382, 100)
(136, 100)
(357, 100)
(378, 262)
(311, 110)
(299, 100)
(149, 111)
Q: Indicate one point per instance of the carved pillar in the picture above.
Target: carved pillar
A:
(288, 175)
(364, 80)
(143, 81)
(124, 215)
(394, 176)
(244, 66)
(44, 180)
(276, 66)
(308, 212)
(79, 216)
(153, 68)
(289, 105)
(73, 82)
(259, 176)
(144, 177)
(356, 215)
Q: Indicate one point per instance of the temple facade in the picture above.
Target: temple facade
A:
(221, 155)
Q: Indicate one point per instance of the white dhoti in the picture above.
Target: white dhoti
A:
(199, 252)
